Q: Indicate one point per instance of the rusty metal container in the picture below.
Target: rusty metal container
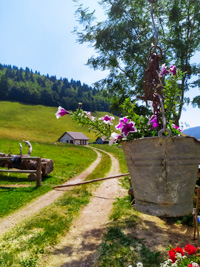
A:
(163, 173)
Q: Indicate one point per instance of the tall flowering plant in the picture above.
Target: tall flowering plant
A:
(132, 125)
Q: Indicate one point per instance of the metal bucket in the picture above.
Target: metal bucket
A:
(163, 173)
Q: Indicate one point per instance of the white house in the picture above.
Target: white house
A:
(75, 138)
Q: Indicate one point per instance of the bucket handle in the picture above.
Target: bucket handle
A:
(164, 130)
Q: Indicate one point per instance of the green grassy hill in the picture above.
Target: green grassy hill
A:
(37, 123)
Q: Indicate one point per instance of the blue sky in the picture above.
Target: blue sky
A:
(38, 34)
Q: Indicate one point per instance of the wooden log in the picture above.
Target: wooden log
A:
(26, 163)
(92, 181)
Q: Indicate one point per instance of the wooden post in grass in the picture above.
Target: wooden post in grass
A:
(39, 174)
(37, 171)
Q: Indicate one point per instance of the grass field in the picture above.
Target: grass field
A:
(37, 123)
(26, 245)
(69, 161)
(29, 242)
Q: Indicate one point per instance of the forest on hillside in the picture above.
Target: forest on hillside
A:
(17, 84)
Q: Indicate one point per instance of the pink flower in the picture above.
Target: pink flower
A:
(172, 70)
(122, 121)
(89, 115)
(163, 70)
(190, 249)
(61, 112)
(176, 127)
(153, 122)
(107, 119)
(128, 128)
(114, 137)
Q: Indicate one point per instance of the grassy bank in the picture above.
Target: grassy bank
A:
(37, 123)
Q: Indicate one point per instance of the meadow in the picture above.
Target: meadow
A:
(39, 125)
(29, 243)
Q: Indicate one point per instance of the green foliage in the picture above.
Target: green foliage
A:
(32, 88)
(172, 94)
(95, 124)
(14, 198)
(123, 40)
(117, 249)
(121, 214)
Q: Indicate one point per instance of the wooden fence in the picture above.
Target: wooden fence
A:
(37, 171)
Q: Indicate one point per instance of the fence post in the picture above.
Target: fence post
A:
(39, 176)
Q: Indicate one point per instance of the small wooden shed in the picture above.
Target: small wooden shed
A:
(76, 138)
(101, 140)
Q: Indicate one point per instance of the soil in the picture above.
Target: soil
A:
(158, 233)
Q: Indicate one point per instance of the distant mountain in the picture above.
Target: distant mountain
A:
(194, 131)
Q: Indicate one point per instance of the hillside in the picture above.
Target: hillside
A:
(32, 88)
(37, 123)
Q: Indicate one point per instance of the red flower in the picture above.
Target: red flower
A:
(172, 255)
(190, 249)
(179, 250)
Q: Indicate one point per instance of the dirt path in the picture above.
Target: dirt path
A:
(43, 201)
(79, 246)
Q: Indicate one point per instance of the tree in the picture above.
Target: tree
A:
(124, 39)
(4, 87)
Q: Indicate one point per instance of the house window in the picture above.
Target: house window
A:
(71, 141)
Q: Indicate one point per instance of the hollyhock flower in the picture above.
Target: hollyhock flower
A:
(61, 112)
(128, 128)
(139, 264)
(107, 119)
(172, 70)
(163, 70)
(153, 121)
(122, 121)
(190, 249)
(114, 137)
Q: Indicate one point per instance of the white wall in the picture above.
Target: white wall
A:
(67, 138)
